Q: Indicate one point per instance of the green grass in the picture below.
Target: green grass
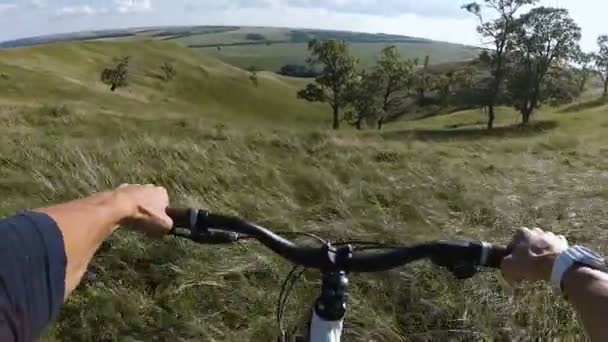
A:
(205, 88)
(273, 57)
(61, 140)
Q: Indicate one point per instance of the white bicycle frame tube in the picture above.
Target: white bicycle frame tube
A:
(325, 331)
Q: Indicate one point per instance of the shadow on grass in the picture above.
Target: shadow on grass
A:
(534, 128)
(577, 107)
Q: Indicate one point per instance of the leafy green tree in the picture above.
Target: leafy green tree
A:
(561, 86)
(424, 81)
(546, 39)
(497, 32)
(168, 70)
(601, 61)
(584, 60)
(116, 76)
(445, 84)
(393, 75)
(365, 98)
(339, 69)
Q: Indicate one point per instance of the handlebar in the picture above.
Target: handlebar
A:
(461, 257)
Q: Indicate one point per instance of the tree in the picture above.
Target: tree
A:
(295, 70)
(546, 39)
(423, 80)
(393, 75)
(584, 60)
(339, 69)
(116, 76)
(253, 76)
(255, 36)
(168, 70)
(561, 86)
(366, 99)
(498, 32)
(601, 61)
(445, 84)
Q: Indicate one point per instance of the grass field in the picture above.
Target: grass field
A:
(274, 162)
(205, 89)
(287, 50)
(274, 56)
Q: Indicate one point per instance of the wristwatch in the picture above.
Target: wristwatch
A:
(574, 256)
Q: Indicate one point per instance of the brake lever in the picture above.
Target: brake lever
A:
(187, 226)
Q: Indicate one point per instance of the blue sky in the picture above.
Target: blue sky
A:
(435, 19)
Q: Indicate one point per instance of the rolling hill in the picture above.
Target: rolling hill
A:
(269, 48)
(217, 142)
(205, 88)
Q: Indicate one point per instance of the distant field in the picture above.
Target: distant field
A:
(286, 45)
(273, 57)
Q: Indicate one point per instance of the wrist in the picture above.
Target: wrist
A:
(579, 277)
(121, 207)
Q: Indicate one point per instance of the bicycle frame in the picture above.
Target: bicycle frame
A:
(328, 314)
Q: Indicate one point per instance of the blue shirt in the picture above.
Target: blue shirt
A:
(32, 275)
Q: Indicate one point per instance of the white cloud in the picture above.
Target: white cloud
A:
(430, 8)
(132, 6)
(7, 7)
(38, 3)
(84, 10)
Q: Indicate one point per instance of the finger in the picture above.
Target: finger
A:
(517, 238)
(537, 230)
(510, 271)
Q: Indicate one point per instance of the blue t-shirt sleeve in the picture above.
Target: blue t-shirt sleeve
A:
(32, 275)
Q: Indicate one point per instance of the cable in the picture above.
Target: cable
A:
(279, 314)
(293, 283)
(311, 235)
(291, 279)
(366, 245)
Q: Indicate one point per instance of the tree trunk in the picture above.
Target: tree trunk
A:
(359, 124)
(525, 116)
(491, 116)
(605, 88)
(113, 87)
(380, 123)
(336, 124)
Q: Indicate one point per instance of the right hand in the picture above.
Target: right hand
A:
(146, 207)
(533, 255)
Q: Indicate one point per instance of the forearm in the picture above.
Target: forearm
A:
(587, 291)
(85, 224)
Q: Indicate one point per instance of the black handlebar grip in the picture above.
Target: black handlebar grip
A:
(216, 238)
(181, 217)
(493, 255)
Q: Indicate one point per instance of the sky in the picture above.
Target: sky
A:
(435, 19)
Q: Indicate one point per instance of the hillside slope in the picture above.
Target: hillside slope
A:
(420, 180)
(205, 88)
(270, 48)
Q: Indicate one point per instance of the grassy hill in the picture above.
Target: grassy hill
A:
(419, 180)
(270, 48)
(205, 88)
(276, 47)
